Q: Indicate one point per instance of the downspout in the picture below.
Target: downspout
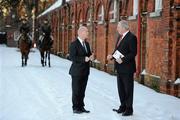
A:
(139, 40)
(106, 44)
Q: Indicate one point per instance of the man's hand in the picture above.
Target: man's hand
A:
(109, 57)
(92, 57)
(119, 60)
(87, 59)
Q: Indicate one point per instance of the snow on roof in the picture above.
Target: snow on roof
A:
(52, 7)
(57, 4)
(177, 81)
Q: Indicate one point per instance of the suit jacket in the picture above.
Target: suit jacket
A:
(128, 47)
(77, 55)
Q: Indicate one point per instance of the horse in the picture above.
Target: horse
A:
(45, 49)
(24, 45)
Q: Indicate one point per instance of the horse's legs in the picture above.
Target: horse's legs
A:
(26, 57)
(22, 56)
(42, 58)
(23, 59)
(46, 55)
(49, 63)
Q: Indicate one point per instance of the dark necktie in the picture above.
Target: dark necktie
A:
(84, 46)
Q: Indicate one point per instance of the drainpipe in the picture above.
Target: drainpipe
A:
(106, 44)
(139, 40)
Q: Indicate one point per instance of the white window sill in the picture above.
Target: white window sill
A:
(100, 22)
(134, 17)
(155, 14)
(112, 20)
(88, 23)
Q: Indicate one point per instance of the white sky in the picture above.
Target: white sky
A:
(43, 93)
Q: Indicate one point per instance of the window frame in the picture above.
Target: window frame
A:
(135, 10)
(158, 5)
(101, 15)
(88, 16)
(114, 11)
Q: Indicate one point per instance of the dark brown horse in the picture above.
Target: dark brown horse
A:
(45, 50)
(24, 48)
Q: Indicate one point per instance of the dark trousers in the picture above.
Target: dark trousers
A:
(79, 84)
(125, 83)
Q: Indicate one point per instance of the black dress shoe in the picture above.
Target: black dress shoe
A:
(120, 110)
(77, 111)
(84, 110)
(128, 112)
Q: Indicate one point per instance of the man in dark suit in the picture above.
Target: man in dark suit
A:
(81, 55)
(125, 66)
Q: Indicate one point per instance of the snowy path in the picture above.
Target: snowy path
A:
(37, 93)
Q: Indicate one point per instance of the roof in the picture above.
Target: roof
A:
(57, 4)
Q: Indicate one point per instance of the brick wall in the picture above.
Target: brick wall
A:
(159, 43)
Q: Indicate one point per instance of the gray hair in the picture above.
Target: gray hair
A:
(123, 24)
(81, 28)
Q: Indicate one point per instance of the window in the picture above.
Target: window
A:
(158, 5)
(88, 16)
(158, 9)
(72, 18)
(80, 17)
(112, 10)
(135, 7)
(135, 10)
(62, 20)
(100, 14)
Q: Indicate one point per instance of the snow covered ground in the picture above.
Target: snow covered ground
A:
(43, 93)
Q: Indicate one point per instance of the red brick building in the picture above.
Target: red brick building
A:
(155, 22)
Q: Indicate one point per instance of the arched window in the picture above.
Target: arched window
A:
(62, 20)
(100, 15)
(113, 10)
(72, 18)
(88, 15)
(80, 17)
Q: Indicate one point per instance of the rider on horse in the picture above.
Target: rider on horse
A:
(46, 32)
(25, 29)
